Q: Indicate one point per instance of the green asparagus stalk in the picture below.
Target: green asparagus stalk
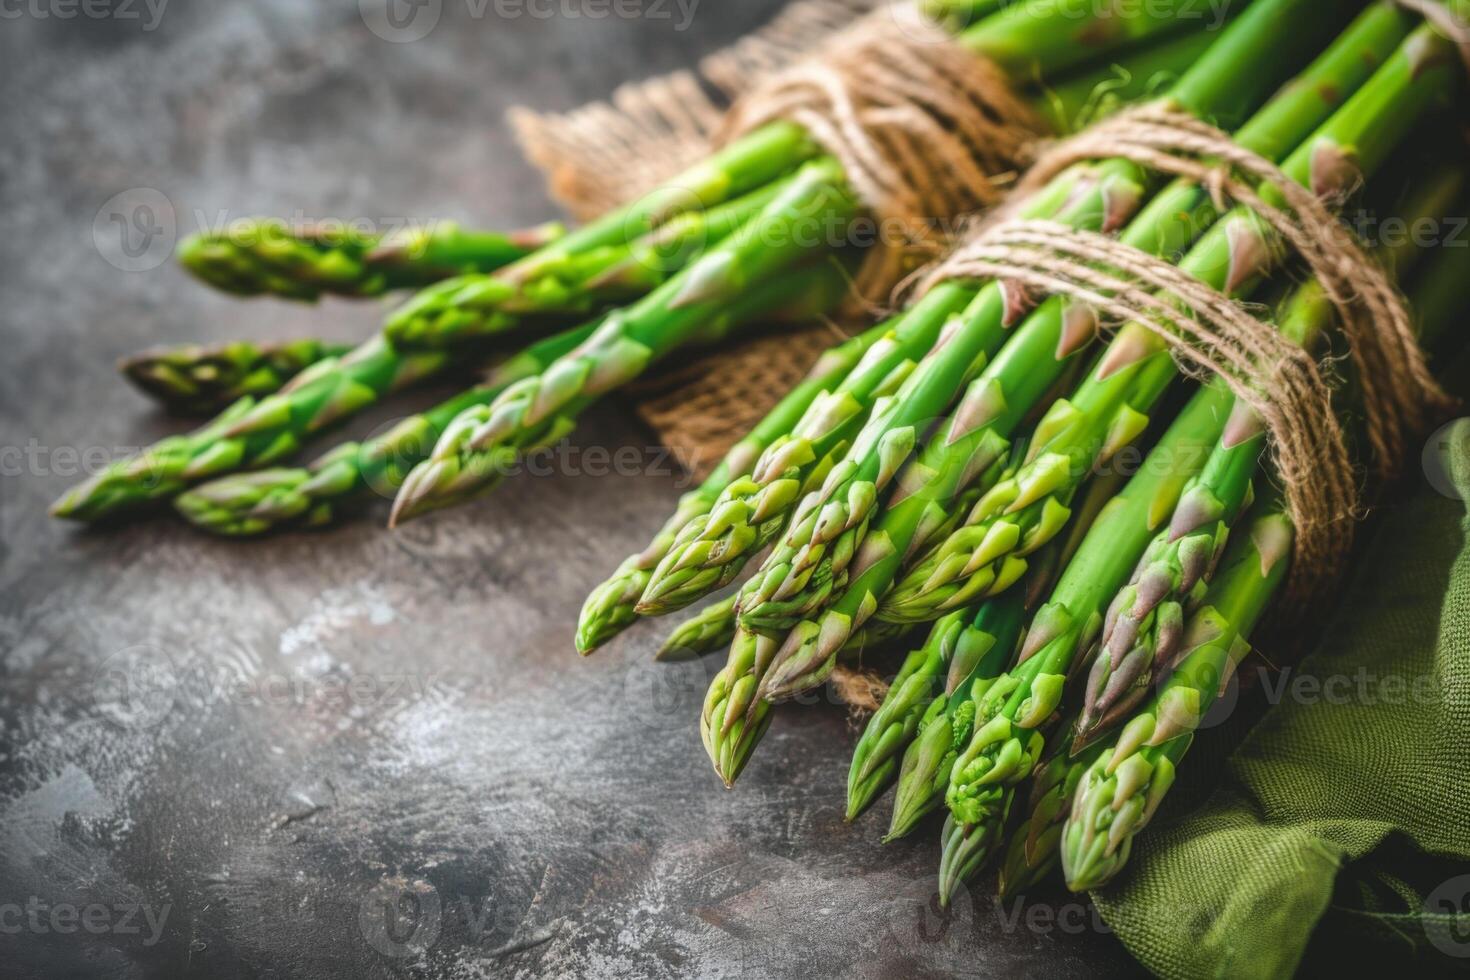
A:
(1006, 744)
(1122, 788)
(1111, 407)
(965, 646)
(994, 405)
(195, 380)
(253, 503)
(611, 606)
(581, 284)
(266, 256)
(1145, 622)
(947, 723)
(1033, 849)
(710, 630)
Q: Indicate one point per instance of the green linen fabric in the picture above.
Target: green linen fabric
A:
(1339, 829)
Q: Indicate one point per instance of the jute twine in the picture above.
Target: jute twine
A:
(926, 130)
(1211, 335)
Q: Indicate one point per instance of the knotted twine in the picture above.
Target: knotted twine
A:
(1211, 335)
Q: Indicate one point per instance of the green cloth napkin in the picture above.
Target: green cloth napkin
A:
(1339, 829)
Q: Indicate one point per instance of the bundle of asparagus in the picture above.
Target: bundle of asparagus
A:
(715, 247)
(1172, 624)
(799, 580)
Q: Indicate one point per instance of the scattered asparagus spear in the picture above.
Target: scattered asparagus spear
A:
(252, 503)
(195, 380)
(266, 256)
(250, 434)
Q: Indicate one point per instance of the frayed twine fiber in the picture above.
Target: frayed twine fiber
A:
(861, 690)
(926, 130)
(1210, 334)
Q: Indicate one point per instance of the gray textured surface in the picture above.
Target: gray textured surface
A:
(179, 736)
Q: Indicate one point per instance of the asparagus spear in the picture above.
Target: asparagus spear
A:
(1120, 791)
(968, 647)
(266, 256)
(195, 380)
(999, 399)
(711, 629)
(250, 433)
(704, 303)
(252, 503)
(1145, 621)
(1018, 515)
(610, 607)
(1032, 852)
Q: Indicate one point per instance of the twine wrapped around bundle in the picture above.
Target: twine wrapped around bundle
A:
(926, 130)
(1211, 335)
